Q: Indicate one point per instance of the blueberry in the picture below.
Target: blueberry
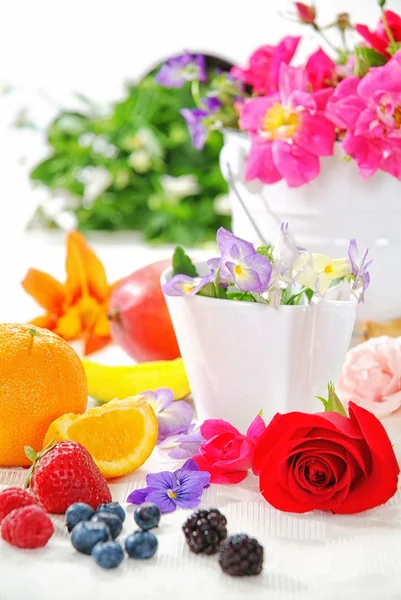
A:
(141, 544)
(147, 516)
(108, 555)
(77, 512)
(112, 521)
(87, 534)
(112, 507)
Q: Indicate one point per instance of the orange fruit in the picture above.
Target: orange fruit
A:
(41, 378)
(120, 435)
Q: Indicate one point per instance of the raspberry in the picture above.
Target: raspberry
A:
(12, 498)
(27, 527)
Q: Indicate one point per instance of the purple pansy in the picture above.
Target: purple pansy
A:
(182, 489)
(172, 417)
(183, 285)
(177, 70)
(196, 120)
(359, 269)
(183, 445)
(241, 264)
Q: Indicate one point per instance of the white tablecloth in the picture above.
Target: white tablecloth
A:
(317, 556)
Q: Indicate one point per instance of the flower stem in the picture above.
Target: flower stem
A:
(326, 39)
(393, 43)
(195, 91)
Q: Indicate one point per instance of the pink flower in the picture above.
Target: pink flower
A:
(227, 454)
(288, 130)
(306, 13)
(370, 110)
(371, 376)
(379, 39)
(264, 64)
(321, 71)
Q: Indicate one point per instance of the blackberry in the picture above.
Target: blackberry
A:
(204, 530)
(241, 555)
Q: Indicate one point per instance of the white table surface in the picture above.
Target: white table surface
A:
(317, 556)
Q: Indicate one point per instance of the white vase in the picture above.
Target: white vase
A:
(324, 215)
(243, 357)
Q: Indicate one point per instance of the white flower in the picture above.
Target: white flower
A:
(140, 161)
(176, 188)
(96, 180)
(317, 271)
(222, 205)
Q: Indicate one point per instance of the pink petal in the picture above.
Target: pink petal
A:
(254, 110)
(392, 164)
(283, 54)
(255, 429)
(230, 478)
(291, 79)
(367, 153)
(316, 134)
(320, 69)
(304, 100)
(241, 462)
(386, 78)
(345, 105)
(322, 97)
(259, 163)
(296, 165)
(213, 427)
(368, 125)
(372, 38)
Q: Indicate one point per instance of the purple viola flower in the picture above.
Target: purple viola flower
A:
(196, 120)
(177, 70)
(172, 417)
(182, 489)
(183, 285)
(240, 263)
(359, 268)
(183, 445)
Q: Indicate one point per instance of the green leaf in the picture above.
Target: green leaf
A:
(209, 291)
(366, 58)
(265, 251)
(333, 403)
(182, 264)
(220, 292)
(30, 453)
(240, 296)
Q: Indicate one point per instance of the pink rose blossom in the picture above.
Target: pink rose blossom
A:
(379, 39)
(264, 64)
(226, 453)
(321, 71)
(371, 376)
(288, 130)
(370, 110)
(306, 13)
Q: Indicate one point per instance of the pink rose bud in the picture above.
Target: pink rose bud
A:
(306, 14)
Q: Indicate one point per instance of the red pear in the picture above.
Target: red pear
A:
(139, 318)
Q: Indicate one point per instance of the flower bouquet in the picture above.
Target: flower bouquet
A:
(242, 356)
(314, 142)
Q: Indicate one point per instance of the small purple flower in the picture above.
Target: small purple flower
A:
(177, 70)
(183, 445)
(240, 263)
(196, 120)
(359, 268)
(182, 489)
(172, 417)
(183, 285)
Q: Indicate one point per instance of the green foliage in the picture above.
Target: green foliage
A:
(333, 403)
(140, 141)
(182, 264)
(365, 58)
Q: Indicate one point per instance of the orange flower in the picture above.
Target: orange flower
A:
(78, 308)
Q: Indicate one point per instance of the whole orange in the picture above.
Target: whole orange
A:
(41, 378)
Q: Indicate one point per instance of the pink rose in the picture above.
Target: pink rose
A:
(226, 453)
(371, 376)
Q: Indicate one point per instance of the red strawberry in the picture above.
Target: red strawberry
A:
(64, 474)
(14, 497)
(27, 527)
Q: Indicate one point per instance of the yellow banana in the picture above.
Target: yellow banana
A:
(106, 383)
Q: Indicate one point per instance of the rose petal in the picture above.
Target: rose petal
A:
(214, 427)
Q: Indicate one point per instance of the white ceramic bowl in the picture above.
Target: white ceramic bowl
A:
(245, 357)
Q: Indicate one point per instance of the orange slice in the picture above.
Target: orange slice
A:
(119, 435)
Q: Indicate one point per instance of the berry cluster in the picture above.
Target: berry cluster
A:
(206, 533)
(23, 523)
(96, 532)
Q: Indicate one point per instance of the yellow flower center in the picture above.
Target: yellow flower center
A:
(187, 287)
(279, 123)
(397, 117)
(238, 270)
(328, 270)
(172, 494)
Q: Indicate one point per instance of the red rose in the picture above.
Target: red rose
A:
(326, 461)
(306, 14)
(379, 39)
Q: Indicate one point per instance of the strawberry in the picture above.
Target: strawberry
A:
(63, 474)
